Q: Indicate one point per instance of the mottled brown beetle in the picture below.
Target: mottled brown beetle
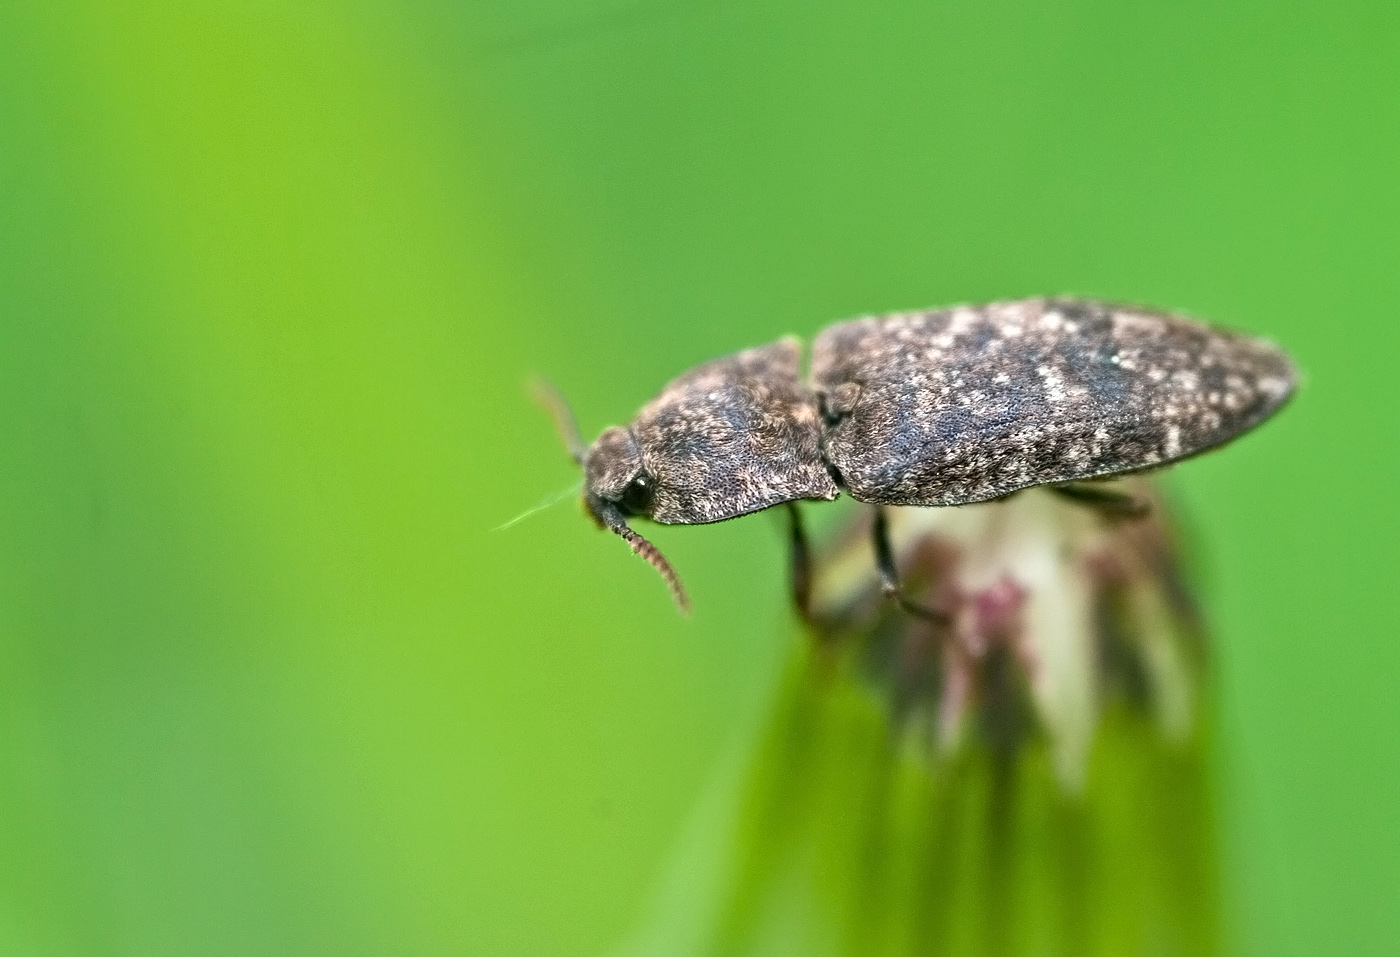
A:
(931, 408)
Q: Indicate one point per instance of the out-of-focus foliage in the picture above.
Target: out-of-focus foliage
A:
(272, 276)
(1029, 776)
(838, 840)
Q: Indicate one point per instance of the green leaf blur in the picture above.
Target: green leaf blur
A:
(272, 276)
(851, 840)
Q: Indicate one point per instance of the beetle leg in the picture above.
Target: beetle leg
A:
(1108, 501)
(889, 574)
(801, 566)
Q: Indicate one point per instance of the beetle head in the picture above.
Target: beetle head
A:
(613, 472)
(615, 485)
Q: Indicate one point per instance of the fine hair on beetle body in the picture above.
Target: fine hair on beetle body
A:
(931, 408)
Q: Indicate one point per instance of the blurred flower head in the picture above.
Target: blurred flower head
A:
(1027, 776)
(1056, 609)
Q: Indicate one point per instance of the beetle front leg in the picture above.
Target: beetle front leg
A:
(1109, 502)
(800, 566)
(889, 574)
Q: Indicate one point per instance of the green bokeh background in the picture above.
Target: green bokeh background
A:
(272, 276)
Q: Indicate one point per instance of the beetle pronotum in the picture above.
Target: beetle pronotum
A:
(928, 408)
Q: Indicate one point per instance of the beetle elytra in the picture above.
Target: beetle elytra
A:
(937, 407)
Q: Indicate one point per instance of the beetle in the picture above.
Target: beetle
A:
(933, 408)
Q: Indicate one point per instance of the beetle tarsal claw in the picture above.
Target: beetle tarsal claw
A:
(658, 561)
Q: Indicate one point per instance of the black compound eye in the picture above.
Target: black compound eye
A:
(638, 495)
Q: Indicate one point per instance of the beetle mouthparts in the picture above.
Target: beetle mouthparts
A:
(608, 517)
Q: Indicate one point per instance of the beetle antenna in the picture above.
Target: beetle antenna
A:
(658, 561)
(607, 516)
(557, 406)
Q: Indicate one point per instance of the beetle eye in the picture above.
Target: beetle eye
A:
(637, 496)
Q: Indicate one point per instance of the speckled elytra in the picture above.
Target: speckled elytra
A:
(931, 408)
